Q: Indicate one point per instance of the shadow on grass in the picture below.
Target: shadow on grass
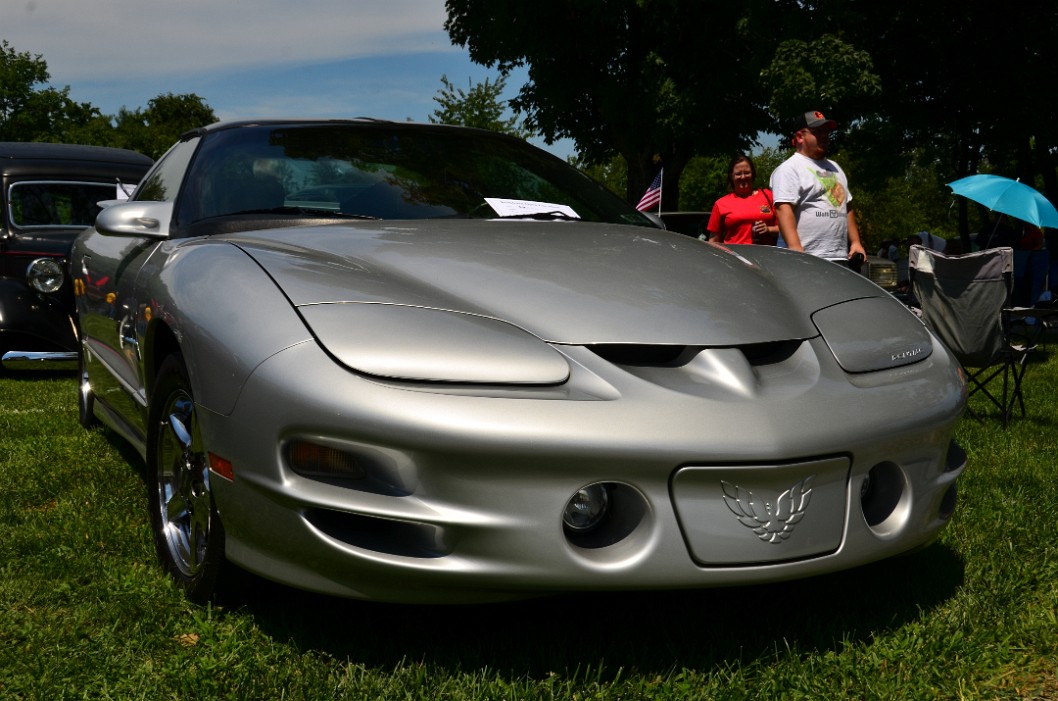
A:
(651, 632)
(125, 450)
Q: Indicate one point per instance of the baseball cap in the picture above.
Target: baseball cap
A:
(813, 120)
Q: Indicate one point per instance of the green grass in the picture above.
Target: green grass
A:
(86, 614)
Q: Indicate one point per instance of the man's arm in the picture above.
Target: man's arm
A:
(855, 245)
(784, 213)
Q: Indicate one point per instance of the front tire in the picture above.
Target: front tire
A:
(188, 534)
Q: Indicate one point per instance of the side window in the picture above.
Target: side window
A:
(163, 182)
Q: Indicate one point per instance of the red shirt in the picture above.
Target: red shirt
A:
(733, 216)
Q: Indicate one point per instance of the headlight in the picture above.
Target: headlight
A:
(431, 345)
(45, 275)
(872, 334)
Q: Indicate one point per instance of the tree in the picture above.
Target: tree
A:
(20, 76)
(153, 130)
(922, 90)
(32, 111)
(655, 81)
(960, 88)
(613, 173)
(480, 107)
(824, 73)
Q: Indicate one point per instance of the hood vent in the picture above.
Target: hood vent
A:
(666, 356)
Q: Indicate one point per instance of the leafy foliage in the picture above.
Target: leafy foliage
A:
(20, 74)
(30, 110)
(612, 173)
(479, 107)
(961, 87)
(637, 78)
(153, 130)
(926, 92)
(832, 73)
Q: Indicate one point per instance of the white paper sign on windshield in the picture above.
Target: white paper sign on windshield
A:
(123, 191)
(527, 208)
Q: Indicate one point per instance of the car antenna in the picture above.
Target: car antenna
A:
(124, 189)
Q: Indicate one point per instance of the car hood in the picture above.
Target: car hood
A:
(565, 282)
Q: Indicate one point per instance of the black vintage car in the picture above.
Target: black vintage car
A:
(50, 194)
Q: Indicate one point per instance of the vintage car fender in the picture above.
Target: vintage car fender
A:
(44, 320)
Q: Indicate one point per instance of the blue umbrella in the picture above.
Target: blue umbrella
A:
(1008, 197)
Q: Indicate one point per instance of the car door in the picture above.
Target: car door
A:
(113, 311)
(109, 314)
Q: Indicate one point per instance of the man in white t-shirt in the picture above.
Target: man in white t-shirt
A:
(812, 194)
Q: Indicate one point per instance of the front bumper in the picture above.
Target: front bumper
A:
(466, 491)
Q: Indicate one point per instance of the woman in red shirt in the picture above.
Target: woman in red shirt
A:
(747, 214)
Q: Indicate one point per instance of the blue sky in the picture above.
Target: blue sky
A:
(250, 58)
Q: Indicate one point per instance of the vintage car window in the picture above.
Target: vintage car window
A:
(57, 203)
(163, 181)
(387, 172)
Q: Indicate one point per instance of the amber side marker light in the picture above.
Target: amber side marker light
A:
(323, 462)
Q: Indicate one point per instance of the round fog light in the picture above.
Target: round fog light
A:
(587, 508)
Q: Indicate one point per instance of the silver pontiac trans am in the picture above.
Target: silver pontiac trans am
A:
(417, 363)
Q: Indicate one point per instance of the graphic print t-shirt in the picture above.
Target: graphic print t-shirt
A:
(819, 193)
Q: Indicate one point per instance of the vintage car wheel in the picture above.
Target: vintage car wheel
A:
(188, 534)
(86, 398)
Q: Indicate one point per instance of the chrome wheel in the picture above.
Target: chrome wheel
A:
(188, 534)
(183, 487)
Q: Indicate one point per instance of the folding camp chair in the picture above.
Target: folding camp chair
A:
(965, 301)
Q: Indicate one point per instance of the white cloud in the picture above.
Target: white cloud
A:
(94, 39)
(248, 58)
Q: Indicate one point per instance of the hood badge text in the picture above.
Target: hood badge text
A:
(908, 354)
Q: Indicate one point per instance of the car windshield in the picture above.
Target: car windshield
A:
(381, 171)
(57, 203)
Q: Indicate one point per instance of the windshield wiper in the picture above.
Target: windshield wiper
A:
(540, 216)
(124, 188)
(311, 211)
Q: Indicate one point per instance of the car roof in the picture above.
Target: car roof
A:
(19, 150)
(356, 121)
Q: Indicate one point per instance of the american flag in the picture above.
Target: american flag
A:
(652, 197)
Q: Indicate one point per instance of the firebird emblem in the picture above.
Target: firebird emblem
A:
(772, 522)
